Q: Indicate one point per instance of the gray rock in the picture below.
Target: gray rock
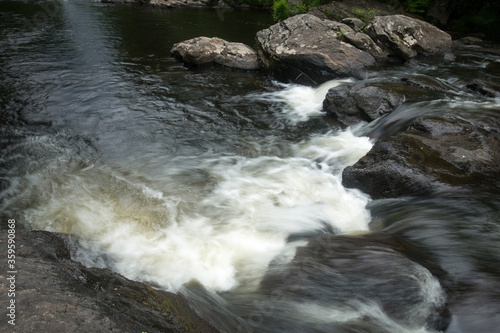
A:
(310, 50)
(55, 294)
(338, 271)
(407, 38)
(430, 155)
(352, 103)
(425, 83)
(488, 89)
(355, 23)
(205, 50)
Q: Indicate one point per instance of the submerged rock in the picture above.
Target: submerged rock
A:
(356, 278)
(407, 38)
(306, 49)
(430, 154)
(56, 294)
(352, 103)
(488, 89)
(206, 51)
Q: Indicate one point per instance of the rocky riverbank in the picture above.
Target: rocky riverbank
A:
(53, 293)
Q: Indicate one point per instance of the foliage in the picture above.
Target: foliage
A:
(418, 6)
(365, 15)
(281, 10)
(341, 34)
(252, 3)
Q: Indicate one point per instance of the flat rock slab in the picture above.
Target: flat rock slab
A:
(352, 103)
(207, 51)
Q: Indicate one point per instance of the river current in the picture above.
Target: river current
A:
(210, 182)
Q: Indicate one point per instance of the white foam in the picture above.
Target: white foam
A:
(356, 311)
(222, 229)
(298, 103)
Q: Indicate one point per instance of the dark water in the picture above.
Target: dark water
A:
(210, 182)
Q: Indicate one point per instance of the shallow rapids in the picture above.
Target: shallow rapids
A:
(226, 186)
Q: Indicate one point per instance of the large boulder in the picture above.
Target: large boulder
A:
(407, 38)
(56, 294)
(432, 154)
(352, 103)
(348, 274)
(309, 50)
(206, 51)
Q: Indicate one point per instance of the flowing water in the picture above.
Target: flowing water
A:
(210, 182)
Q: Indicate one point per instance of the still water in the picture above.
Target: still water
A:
(217, 184)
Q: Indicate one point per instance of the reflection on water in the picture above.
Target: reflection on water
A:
(226, 186)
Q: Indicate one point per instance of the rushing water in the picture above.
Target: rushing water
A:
(210, 182)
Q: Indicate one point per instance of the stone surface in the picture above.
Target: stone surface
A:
(407, 38)
(205, 51)
(488, 89)
(345, 273)
(352, 103)
(431, 154)
(355, 23)
(309, 50)
(55, 294)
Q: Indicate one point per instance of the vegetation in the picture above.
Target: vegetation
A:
(418, 6)
(365, 15)
(465, 16)
(281, 11)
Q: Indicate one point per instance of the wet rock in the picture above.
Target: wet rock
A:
(425, 83)
(355, 23)
(484, 88)
(56, 294)
(407, 38)
(351, 276)
(431, 154)
(306, 49)
(206, 51)
(352, 103)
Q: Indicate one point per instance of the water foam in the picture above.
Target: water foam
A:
(298, 103)
(216, 219)
(220, 220)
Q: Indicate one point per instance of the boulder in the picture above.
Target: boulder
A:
(405, 37)
(207, 51)
(57, 294)
(488, 89)
(355, 23)
(430, 155)
(426, 83)
(352, 103)
(347, 274)
(306, 49)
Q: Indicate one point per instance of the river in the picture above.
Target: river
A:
(210, 182)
